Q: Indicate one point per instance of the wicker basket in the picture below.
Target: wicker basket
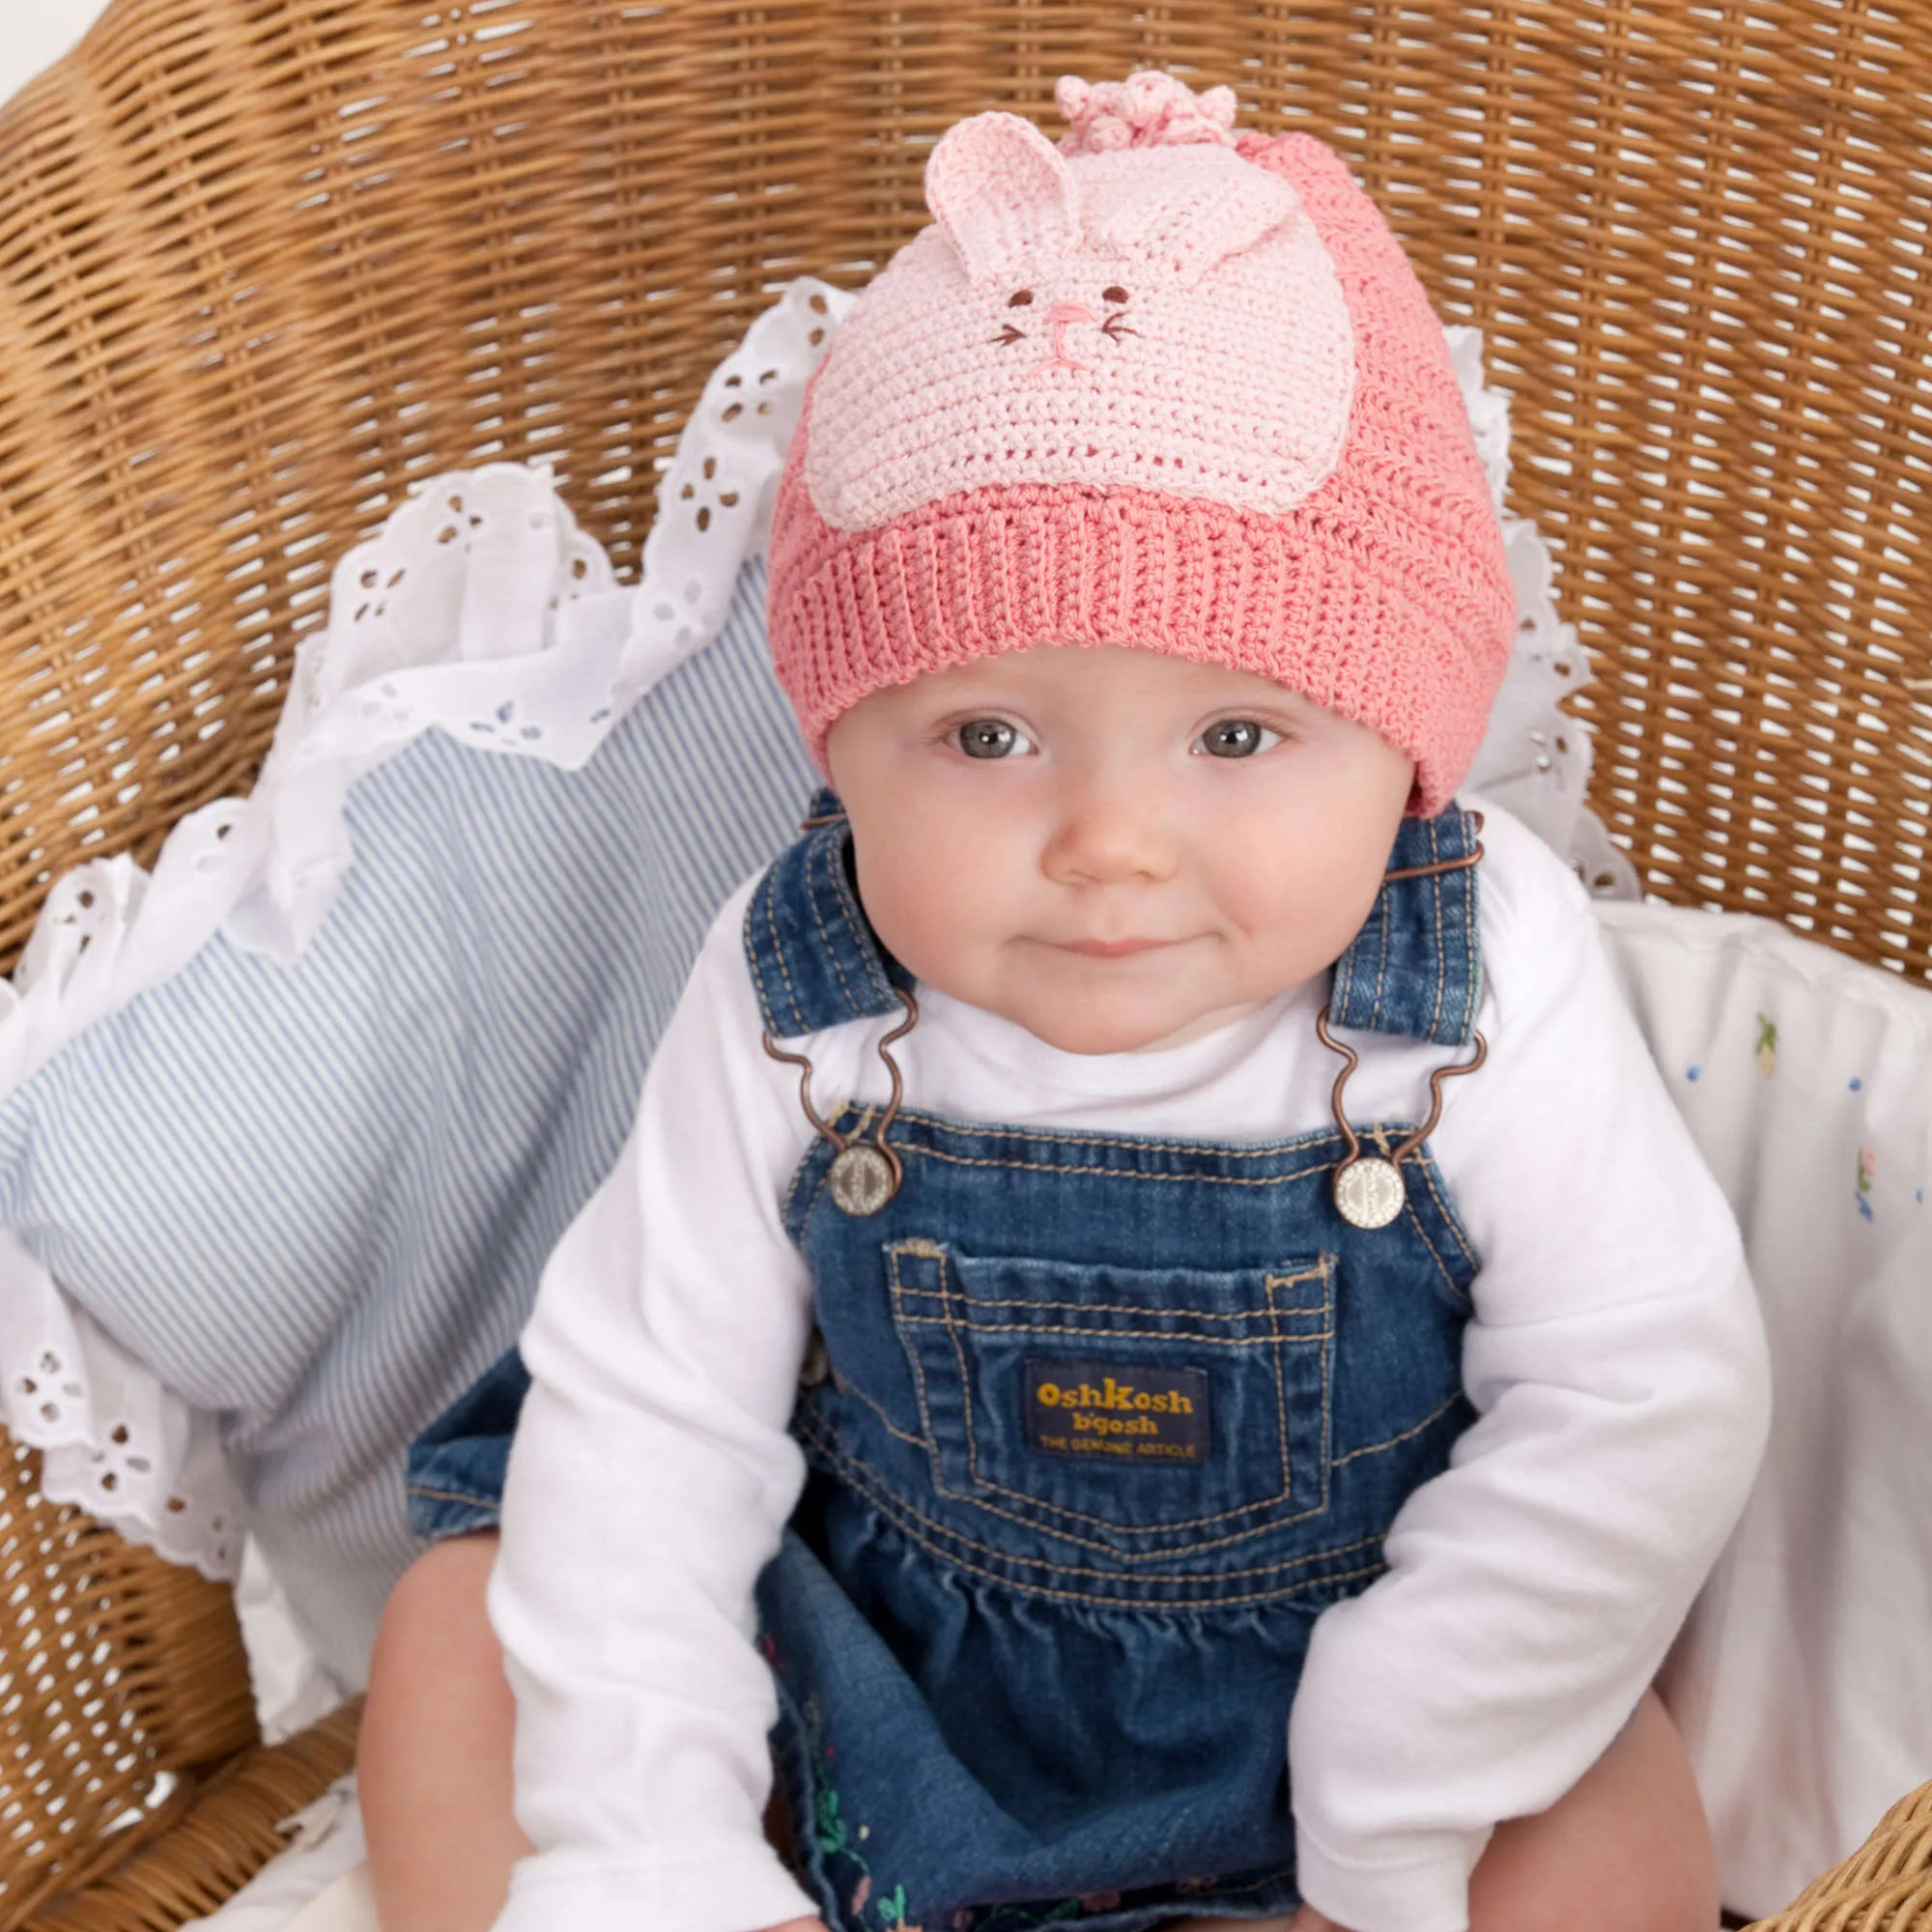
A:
(1883, 1886)
(135, 1791)
(263, 263)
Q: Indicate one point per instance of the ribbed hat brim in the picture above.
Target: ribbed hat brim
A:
(1350, 610)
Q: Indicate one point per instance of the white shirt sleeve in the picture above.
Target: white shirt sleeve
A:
(1618, 1365)
(649, 1482)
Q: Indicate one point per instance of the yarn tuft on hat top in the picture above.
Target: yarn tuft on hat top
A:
(1163, 385)
(1148, 109)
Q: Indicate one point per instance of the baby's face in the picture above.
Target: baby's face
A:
(1114, 848)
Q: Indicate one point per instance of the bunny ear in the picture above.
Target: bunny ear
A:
(1003, 195)
(1227, 207)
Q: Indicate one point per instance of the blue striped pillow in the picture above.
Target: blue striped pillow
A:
(316, 1199)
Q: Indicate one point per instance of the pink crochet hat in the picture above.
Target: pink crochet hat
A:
(1162, 386)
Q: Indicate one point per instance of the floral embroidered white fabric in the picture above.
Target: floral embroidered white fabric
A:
(430, 626)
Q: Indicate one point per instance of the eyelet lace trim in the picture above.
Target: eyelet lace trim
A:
(480, 609)
(1535, 760)
(113, 1440)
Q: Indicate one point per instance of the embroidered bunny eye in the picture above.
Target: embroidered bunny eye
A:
(1019, 299)
(1116, 294)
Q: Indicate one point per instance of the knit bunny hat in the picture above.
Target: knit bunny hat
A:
(1162, 386)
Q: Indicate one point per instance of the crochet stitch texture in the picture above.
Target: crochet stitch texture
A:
(1162, 386)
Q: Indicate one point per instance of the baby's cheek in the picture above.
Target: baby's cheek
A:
(1295, 918)
(933, 917)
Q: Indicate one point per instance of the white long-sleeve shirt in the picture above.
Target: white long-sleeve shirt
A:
(1614, 1356)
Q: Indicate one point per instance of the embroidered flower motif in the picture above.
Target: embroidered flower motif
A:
(1767, 1045)
(828, 1826)
(837, 1839)
(1867, 1168)
(892, 1910)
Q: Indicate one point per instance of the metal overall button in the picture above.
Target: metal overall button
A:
(864, 1174)
(1370, 1192)
(862, 1179)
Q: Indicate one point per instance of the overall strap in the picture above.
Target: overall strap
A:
(1415, 967)
(812, 954)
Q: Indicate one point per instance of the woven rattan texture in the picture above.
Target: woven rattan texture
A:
(1885, 1885)
(263, 262)
(121, 1677)
(225, 1838)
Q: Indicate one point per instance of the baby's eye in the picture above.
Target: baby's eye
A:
(991, 738)
(1235, 738)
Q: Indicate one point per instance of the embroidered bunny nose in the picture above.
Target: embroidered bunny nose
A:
(1060, 317)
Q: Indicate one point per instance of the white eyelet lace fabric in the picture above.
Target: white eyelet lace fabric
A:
(114, 1442)
(480, 610)
(1534, 759)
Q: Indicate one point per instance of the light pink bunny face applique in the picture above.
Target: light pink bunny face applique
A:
(1163, 318)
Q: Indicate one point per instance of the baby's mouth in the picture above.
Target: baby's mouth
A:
(1110, 948)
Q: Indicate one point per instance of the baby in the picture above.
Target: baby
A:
(1156, 1339)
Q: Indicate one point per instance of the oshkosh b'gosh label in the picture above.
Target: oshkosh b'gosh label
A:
(1118, 1412)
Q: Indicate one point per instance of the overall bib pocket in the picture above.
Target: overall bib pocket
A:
(1145, 1410)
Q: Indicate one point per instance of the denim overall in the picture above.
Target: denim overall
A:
(1097, 1426)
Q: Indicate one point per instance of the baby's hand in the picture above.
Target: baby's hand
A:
(799, 1925)
(1308, 1920)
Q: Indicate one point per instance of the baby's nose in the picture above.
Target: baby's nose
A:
(1069, 312)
